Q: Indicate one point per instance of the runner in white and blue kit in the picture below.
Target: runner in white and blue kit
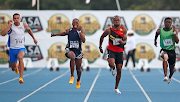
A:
(73, 49)
(16, 40)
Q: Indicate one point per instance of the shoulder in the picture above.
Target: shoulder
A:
(158, 30)
(124, 30)
(108, 30)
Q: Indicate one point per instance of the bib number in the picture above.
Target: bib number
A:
(116, 41)
(19, 41)
(167, 42)
(74, 44)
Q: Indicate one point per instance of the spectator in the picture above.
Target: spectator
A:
(131, 47)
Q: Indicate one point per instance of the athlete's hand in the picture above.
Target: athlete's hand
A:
(35, 41)
(101, 50)
(52, 34)
(120, 41)
(9, 22)
(79, 28)
(155, 43)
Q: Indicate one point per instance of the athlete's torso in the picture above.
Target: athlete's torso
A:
(16, 36)
(74, 41)
(167, 39)
(114, 35)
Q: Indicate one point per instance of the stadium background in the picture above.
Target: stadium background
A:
(45, 22)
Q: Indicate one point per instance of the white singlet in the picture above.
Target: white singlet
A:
(16, 36)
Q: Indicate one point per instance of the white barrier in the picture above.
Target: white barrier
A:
(52, 62)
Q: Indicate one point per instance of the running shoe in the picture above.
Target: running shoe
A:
(113, 71)
(165, 78)
(21, 80)
(117, 91)
(17, 69)
(169, 81)
(71, 80)
(78, 84)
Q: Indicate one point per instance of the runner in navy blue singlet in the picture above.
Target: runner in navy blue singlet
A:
(73, 49)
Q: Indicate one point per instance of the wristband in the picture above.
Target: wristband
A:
(100, 47)
(78, 31)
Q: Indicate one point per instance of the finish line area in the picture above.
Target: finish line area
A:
(97, 85)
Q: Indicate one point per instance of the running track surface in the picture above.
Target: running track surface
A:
(97, 85)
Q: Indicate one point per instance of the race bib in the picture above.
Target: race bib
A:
(116, 41)
(19, 41)
(167, 42)
(74, 44)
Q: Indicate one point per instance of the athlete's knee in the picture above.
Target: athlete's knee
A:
(78, 68)
(165, 57)
(20, 58)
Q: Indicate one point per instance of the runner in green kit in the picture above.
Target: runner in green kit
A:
(168, 38)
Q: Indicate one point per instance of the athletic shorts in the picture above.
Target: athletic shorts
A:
(13, 53)
(171, 56)
(79, 54)
(118, 56)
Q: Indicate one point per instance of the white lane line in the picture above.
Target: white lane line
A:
(43, 86)
(149, 100)
(23, 76)
(171, 77)
(87, 97)
(5, 71)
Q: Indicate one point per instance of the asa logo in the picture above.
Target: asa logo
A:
(144, 50)
(57, 50)
(175, 22)
(90, 52)
(106, 52)
(4, 18)
(143, 24)
(58, 23)
(89, 23)
(4, 58)
(177, 50)
(33, 22)
(109, 22)
(33, 52)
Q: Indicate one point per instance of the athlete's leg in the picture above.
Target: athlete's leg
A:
(78, 68)
(72, 57)
(21, 63)
(118, 75)
(13, 65)
(171, 67)
(111, 62)
(165, 64)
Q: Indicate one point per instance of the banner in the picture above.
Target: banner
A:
(43, 23)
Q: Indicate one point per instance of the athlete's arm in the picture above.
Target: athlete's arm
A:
(7, 29)
(30, 32)
(60, 34)
(123, 41)
(175, 35)
(106, 32)
(82, 34)
(156, 36)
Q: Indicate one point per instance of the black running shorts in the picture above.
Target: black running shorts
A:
(171, 56)
(118, 56)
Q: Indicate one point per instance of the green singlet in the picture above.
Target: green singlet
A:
(167, 39)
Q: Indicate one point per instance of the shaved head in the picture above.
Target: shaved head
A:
(116, 16)
(116, 21)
